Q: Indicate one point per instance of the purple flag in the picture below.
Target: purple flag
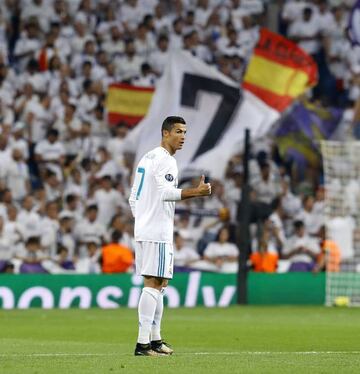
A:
(354, 24)
(300, 131)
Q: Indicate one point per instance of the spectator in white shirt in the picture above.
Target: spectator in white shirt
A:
(13, 228)
(25, 95)
(28, 218)
(147, 77)
(161, 21)
(292, 10)
(28, 44)
(116, 144)
(128, 66)
(306, 32)
(38, 9)
(69, 127)
(109, 20)
(176, 37)
(144, 42)
(106, 165)
(62, 44)
(184, 256)
(108, 199)
(189, 22)
(229, 42)
(159, 58)
(85, 74)
(202, 13)
(81, 36)
(131, 13)
(50, 150)
(85, 145)
(88, 54)
(74, 206)
(5, 157)
(17, 175)
(89, 263)
(89, 228)
(17, 140)
(88, 99)
(7, 80)
(290, 202)
(99, 71)
(99, 123)
(33, 76)
(266, 187)
(276, 226)
(64, 234)
(53, 185)
(301, 249)
(77, 183)
(311, 219)
(6, 248)
(31, 256)
(38, 118)
(325, 17)
(222, 253)
(115, 45)
(49, 228)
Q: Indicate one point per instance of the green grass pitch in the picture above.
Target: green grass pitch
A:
(233, 340)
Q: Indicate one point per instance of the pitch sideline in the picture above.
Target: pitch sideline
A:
(9, 355)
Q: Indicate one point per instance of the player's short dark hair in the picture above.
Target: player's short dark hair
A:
(170, 121)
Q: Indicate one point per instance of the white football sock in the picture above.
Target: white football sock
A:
(156, 325)
(146, 311)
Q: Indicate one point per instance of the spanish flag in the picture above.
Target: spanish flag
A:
(127, 103)
(279, 71)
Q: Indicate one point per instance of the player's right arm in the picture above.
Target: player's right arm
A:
(170, 193)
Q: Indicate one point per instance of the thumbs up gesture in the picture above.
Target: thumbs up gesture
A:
(203, 188)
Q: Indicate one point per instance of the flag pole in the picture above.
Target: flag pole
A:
(243, 222)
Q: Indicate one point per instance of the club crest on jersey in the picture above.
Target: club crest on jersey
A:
(169, 177)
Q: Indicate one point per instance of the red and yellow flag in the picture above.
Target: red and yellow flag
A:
(279, 71)
(127, 103)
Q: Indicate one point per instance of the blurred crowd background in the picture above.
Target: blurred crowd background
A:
(65, 174)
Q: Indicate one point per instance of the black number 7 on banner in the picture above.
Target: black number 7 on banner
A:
(191, 85)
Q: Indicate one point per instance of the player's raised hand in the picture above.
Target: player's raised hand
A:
(204, 188)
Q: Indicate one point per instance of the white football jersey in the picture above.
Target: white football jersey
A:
(153, 196)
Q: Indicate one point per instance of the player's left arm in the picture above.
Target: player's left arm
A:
(164, 179)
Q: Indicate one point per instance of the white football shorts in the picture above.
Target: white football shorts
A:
(154, 259)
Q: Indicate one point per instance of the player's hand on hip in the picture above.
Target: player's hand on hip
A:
(204, 188)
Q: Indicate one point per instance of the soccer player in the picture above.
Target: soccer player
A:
(152, 202)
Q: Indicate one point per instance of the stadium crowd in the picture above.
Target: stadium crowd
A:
(65, 174)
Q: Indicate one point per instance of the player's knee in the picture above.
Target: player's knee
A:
(153, 282)
(165, 282)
